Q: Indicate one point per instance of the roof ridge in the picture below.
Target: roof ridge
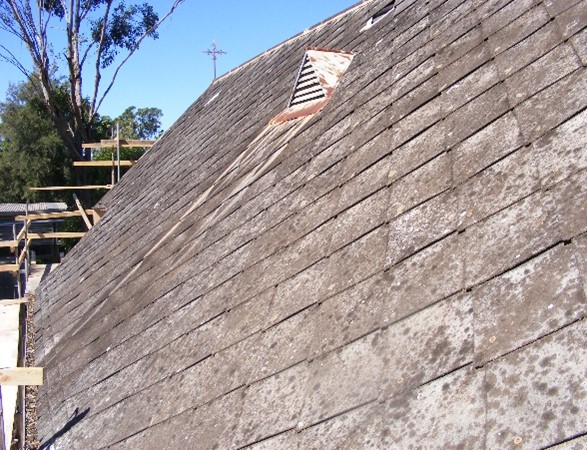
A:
(358, 5)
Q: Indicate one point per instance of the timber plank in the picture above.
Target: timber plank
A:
(51, 215)
(57, 235)
(22, 232)
(21, 376)
(123, 163)
(82, 212)
(14, 301)
(9, 267)
(24, 252)
(124, 143)
(71, 188)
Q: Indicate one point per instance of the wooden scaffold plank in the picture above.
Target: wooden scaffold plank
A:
(22, 231)
(52, 215)
(21, 376)
(124, 143)
(82, 212)
(71, 188)
(57, 235)
(24, 252)
(123, 163)
(13, 301)
(9, 267)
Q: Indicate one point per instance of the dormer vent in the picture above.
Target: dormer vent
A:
(308, 85)
(318, 76)
(383, 12)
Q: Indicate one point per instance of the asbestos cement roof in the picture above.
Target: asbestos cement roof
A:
(406, 268)
(14, 209)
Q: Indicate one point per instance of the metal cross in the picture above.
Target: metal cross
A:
(213, 53)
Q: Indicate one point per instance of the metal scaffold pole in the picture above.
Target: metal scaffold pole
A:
(118, 151)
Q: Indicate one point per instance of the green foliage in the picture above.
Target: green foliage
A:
(141, 123)
(77, 39)
(124, 30)
(54, 7)
(43, 123)
(107, 154)
(31, 152)
(71, 224)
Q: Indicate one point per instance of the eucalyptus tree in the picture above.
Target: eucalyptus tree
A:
(32, 154)
(81, 39)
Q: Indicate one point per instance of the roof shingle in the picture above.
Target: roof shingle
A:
(403, 269)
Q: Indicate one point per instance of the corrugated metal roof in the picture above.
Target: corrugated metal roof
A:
(7, 209)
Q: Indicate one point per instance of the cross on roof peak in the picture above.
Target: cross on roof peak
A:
(214, 52)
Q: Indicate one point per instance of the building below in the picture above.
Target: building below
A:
(41, 250)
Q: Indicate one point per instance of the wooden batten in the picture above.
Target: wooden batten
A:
(71, 188)
(124, 143)
(21, 376)
(23, 230)
(97, 214)
(24, 252)
(123, 163)
(9, 267)
(9, 244)
(14, 301)
(82, 211)
(52, 215)
(57, 235)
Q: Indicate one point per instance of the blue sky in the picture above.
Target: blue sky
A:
(171, 72)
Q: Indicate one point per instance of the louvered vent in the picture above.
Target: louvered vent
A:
(318, 76)
(383, 12)
(308, 85)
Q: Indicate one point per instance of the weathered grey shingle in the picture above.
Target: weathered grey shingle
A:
(404, 269)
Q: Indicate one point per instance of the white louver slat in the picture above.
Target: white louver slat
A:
(307, 86)
(318, 75)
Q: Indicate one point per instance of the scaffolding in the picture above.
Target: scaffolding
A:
(21, 376)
